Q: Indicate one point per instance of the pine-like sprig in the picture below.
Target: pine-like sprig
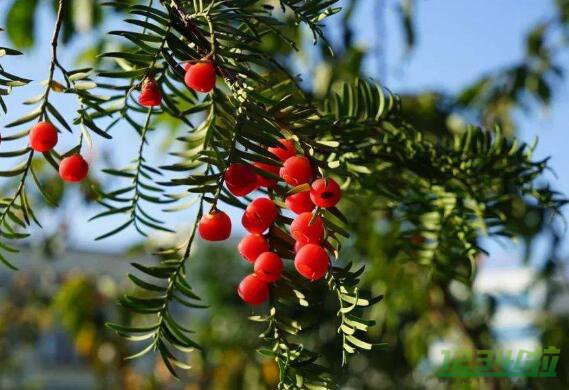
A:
(449, 191)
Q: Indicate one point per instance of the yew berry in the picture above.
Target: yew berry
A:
(285, 151)
(312, 262)
(325, 192)
(259, 215)
(263, 181)
(296, 170)
(307, 228)
(43, 137)
(253, 290)
(269, 267)
(240, 179)
(251, 246)
(300, 202)
(200, 77)
(73, 169)
(215, 226)
(298, 245)
(150, 95)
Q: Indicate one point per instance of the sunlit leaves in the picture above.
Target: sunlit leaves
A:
(344, 282)
(8, 80)
(448, 191)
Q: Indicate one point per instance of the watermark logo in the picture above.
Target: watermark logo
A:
(483, 363)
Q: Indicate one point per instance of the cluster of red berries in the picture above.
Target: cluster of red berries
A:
(43, 138)
(199, 77)
(311, 259)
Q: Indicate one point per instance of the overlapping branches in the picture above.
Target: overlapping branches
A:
(449, 191)
(16, 212)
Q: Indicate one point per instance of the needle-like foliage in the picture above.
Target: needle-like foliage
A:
(447, 191)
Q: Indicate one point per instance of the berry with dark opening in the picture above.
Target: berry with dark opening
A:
(200, 77)
(253, 290)
(259, 215)
(240, 179)
(307, 228)
(251, 246)
(269, 267)
(300, 202)
(215, 226)
(296, 170)
(263, 181)
(325, 192)
(73, 169)
(312, 262)
(150, 95)
(285, 151)
(43, 137)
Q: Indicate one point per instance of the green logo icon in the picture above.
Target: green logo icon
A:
(539, 363)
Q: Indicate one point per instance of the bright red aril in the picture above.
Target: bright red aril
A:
(73, 169)
(150, 95)
(215, 226)
(253, 290)
(284, 151)
(312, 262)
(200, 76)
(300, 202)
(43, 137)
(269, 267)
(325, 192)
(307, 228)
(296, 170)
(259, 215)
(263, 181)
(240, 179)
(251, 246)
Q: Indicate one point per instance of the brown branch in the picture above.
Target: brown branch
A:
(181, 20)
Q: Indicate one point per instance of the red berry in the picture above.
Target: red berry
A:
(269, 267)
(215, 226)
(150, 95)
(259, 215)
(263, 181)
(73, 169)
(298, 245)
(300, 202)
(200, 77)
(325, 192)
(43, 137)
(308, 233)
(312, 262)
(186, 66)
(253, 290)
(240, 179)
(251, 246)
(287, 150)
(296, 170)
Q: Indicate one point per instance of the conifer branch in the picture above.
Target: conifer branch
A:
(18, 202)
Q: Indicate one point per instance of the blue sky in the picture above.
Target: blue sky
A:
(458, 41)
